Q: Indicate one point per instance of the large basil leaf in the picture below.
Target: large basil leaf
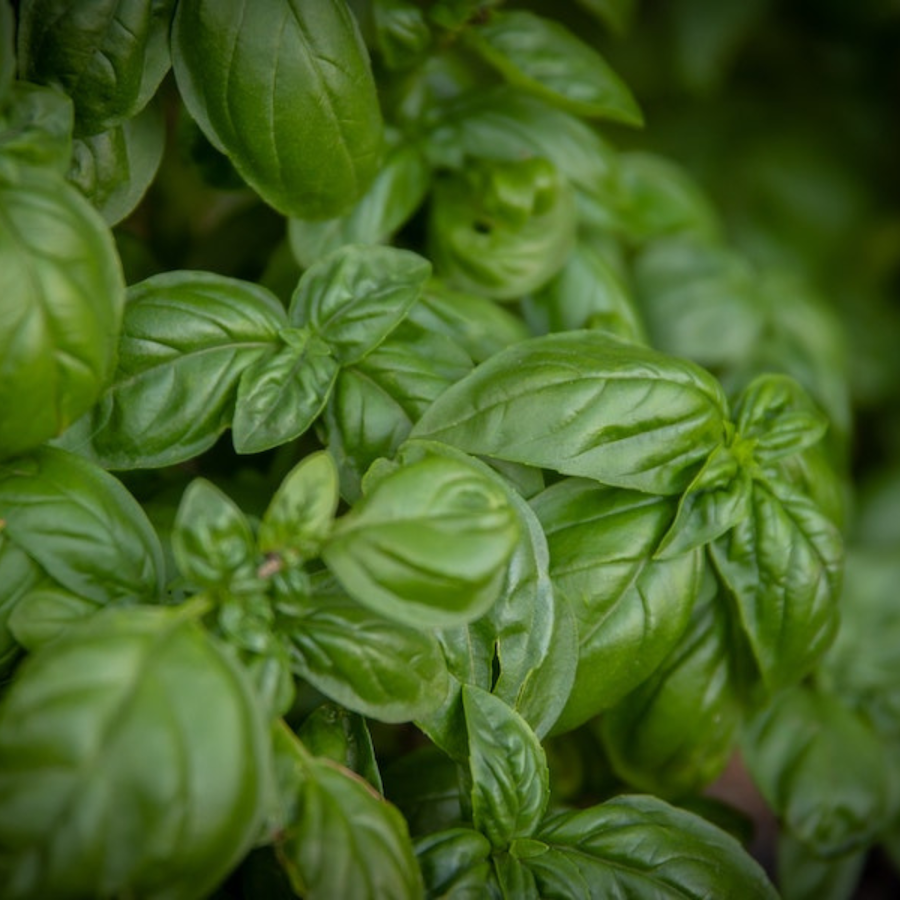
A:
(187, 339)
(510, 779)
(545, 58)
(61, 297)
(109, 56)
(783, 565)
(355, 297)
(584, 403)
(372, 665)
(300, 120)
(456, 863)
(133, 761)
(114, 168)
(36, 127)
(806, 739)
(428, 544)
(340, 837)
(630, 608)
(641, 847)
(676, 732)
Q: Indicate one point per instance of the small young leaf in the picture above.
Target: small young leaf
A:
(510, 779)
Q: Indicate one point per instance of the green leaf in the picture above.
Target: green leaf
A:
(397, 191)
(186, 341)
(7, 51)
(806, 739)
(133, 760)
(676, 732)
(516, 882)
(355, 297)
(212, 540)
(615, 14)
(109, 56)
(510, 779)
(804, 875)
(375, 666)
(424, 784)
(402, 34)
(643, 848)
(545, 58)
(630, 608)
(81, 526)
(783, 565)
(281, 394)
(44, 613)
(61, 297)
(300, 513)
(36, 127)
(114, 168)
(300, 121)
(583, 403)
(429, 544)
(341, 838)
(455, 863)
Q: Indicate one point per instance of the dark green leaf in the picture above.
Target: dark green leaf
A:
(300, 120)
(133, 761)
(583, 403)
(61, 297)
(545, 58)
(456, 863)
(7, 51)
(823, 769)
(281, 394)
(515, 880)
(615, 14)
(36, 127)
(424, 784)
(402, 34)
(804, 875)
(639, 847)
(19, 576)
(510, 779)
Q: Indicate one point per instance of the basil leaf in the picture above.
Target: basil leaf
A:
(455, 863)
(109, 58)
(615, 14)
(36, 127)
(424, 784)
(20, 575)
(630, 608)
(676, 732)
(114, 168)
(342, 736)
(301, 510)
(428, 544)
(186, 340)
(61, 297)
(545, 58)
(354, 298)
(130, 740)
(81, 527)
(515, 880)
(806, 738)
(341, 838)
(510, 779)
(370, 664)
(783, 566)
(281, 394)
(44, 613)
(583, 403)
(402, 34)
(312, 148)
(645, 848)
(804, 875)
(396, 192)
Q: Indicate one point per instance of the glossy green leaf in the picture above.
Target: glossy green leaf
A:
(643, 848)
(312, 148)
(515, 880)
(109, 56)
(44, 613)
(804, 875)
(428, 544)
(806, 739)
(187, 339)
(375, 666)
(212, 540)
(61, 297)
(676, 732)
(783, 565)
(36, 127)
(114, 168)
(341, 837)
(630, 608)
(134, 761)
(281, 394)
(395, 194)
(455, 863)
(544, 57)
(299, 514)
(501, 230)
(81, 526)
(583, 403)
(356, 296)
